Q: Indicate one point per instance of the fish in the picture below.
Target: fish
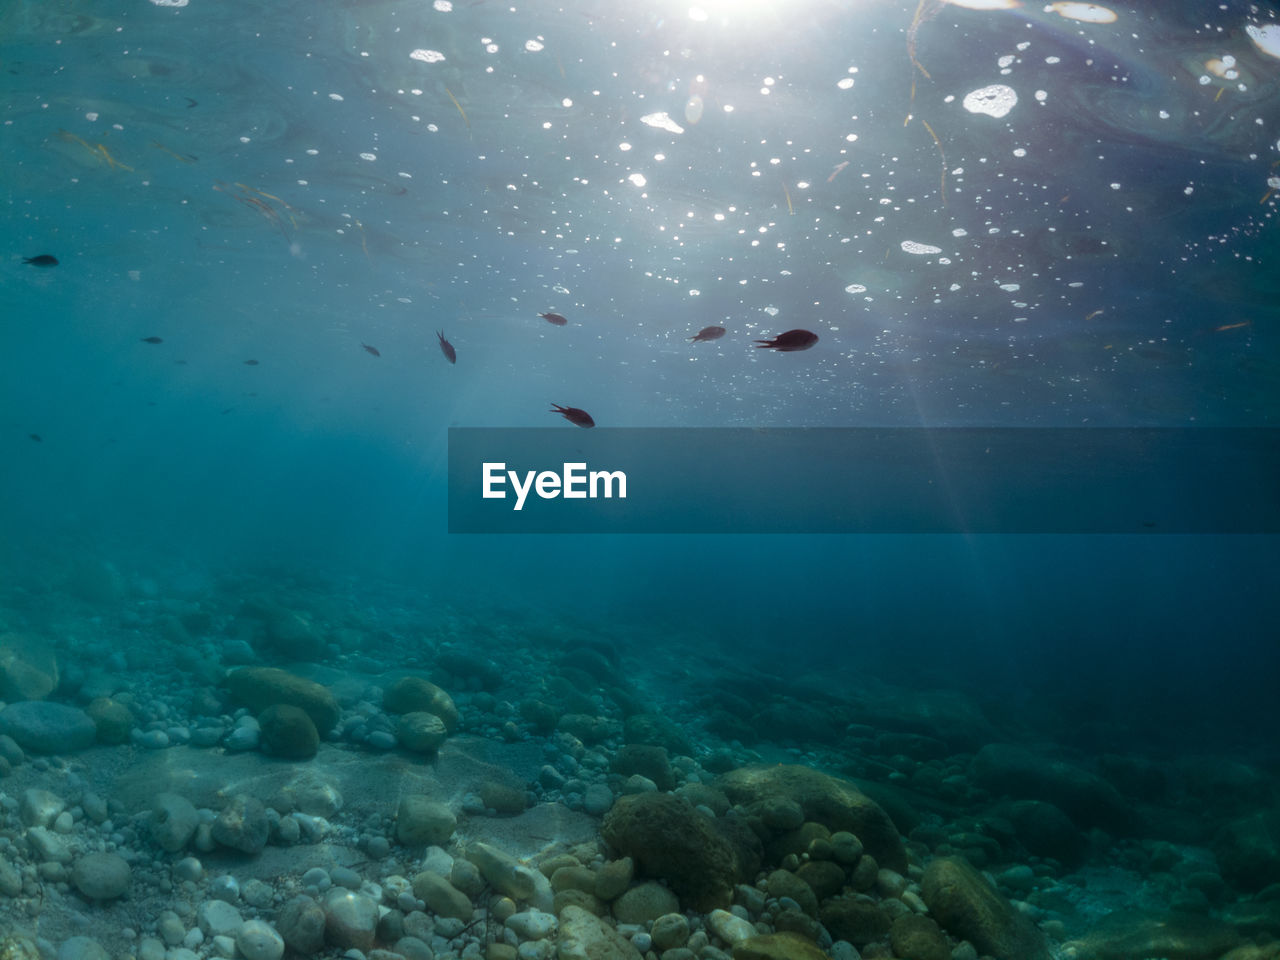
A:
(574, 415)
(36, 437)
(555, 318)
(790, 341)
(42, 260)
(708, 333)
(251, 363)
(152, 340)
(447, 348)
(372, 350)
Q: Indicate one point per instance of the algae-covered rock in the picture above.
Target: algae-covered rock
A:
(261, 687)
(288, 731)
(778, 946)
(969, 908)
(28, 667)
(669, 839)
(39, 726)
(410, 694)
(831, 801)
(113, 719)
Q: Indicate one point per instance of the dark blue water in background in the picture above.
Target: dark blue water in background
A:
(199, 182)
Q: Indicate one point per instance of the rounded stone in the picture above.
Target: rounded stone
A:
(259, 941)
(644, 903)
(301, 923)
(351, 919)
(421, 821)
(409, 694)
(42, 727)
(217, 918)
(82, 948)
(173, 821)
(669, 931)
(287, 731)
(421, 732)
(101, 876)
(242, 824)
(114, 721)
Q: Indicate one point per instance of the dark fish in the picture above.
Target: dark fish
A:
(152, 340)
(708, 333)
(555, 318)
(789, 341)
(43, 260)
(373, 350)
(447, 348)
(36, 437)
(574, 415)
(251, 363)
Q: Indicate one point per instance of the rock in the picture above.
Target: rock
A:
(732, 929)
(261, 687)
(288, 731)
(1085, 797)
(1125, 934)
(217, 918)
(421, 732)
(504, 873)
(644, 903)
(301, 924)
(969, 908)
(835, 803)
(39, 808)
(918, 938)
(410, 694)
(587, 937)
(1249, 850)
(1046, 831)
(82, 948)
(648, 761)
(598, 799)
(39, 726)
(503, 798)
(532, 924)
(658, 731)
(256, 940)
(421, 821)
(442, 896)
(10, 880)
(778, 946)
(351, 919)
(101, 876)
(825, 878)
(613, 879)
(113, 720)
(669, 931)
(671, 840)
(859, 923)
(47, 845)
(173, 821)
(28, 667)
(242, 824)
(784, 883)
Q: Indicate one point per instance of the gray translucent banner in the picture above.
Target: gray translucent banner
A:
(864, 480)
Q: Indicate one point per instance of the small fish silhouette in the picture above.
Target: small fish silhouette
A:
(790, 341)
(555, 318)
(708, 333)
(42, 260)
(36, 437)
(447, 348)
(372, 350)
(251, 363)
(574, 415)
(152, 340)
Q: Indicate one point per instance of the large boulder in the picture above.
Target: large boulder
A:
(835, 803)
(670, 839)
(970, 908)
(1084, 796)
(261, 687)
(28, 667)
(39, 726)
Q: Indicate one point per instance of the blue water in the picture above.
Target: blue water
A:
(285, 183)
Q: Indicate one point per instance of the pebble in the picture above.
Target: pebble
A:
(642, 942)
(345, 877)
(47, 845)
(317, 879)
(151, 739)
(39, 807)
(170, 928)
(150, 949)
(729, 928)
(173, 821)
(597, 800)
(188, 869)
(259, 941)
(350, 919)
(669, 931)
(224, 887)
